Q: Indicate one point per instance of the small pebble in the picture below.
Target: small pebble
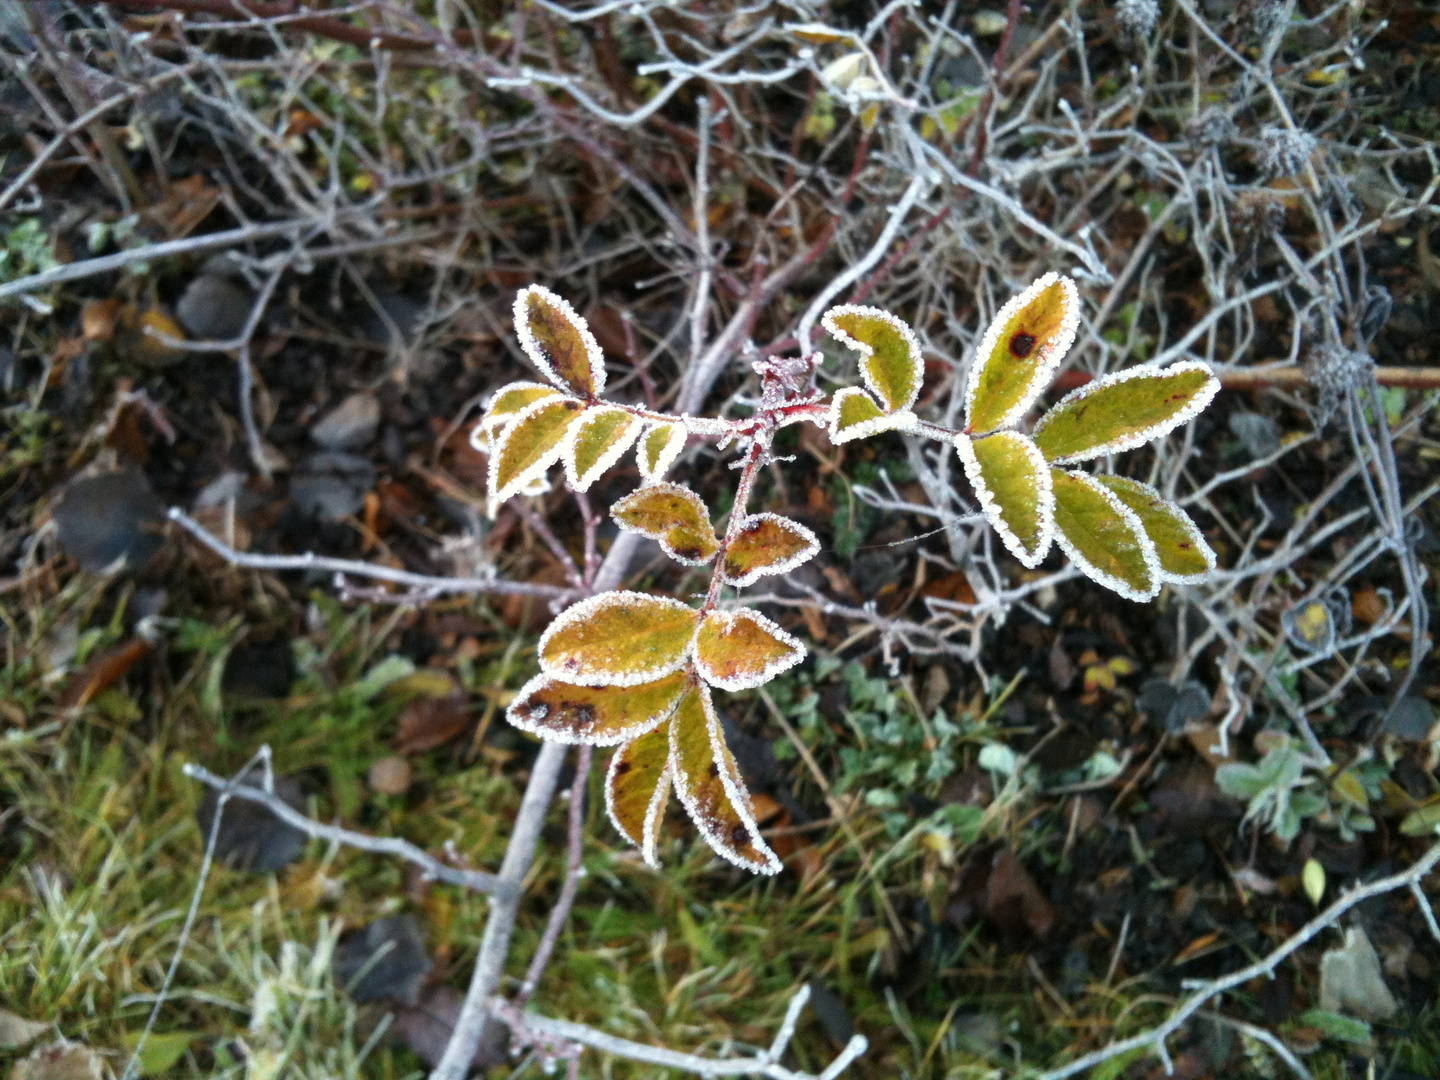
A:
(390, 776)
(350, 425)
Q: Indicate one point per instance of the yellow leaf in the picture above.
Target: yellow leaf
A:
(854, 415)
(532, 442)
(1013, 484)
(890, 359)
(673, 515)
(507, 403)
(1184, 555)
(659, 447)
(1020, 352)
(708, 784)
(1313, 878)
(1103, 537)
(637, 787)
(618, 639)
(598, 715)
(1099, 677)
(741, 649)
(767, 544)
(559, 342)
(597, 442)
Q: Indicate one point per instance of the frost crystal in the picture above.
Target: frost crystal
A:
(1213, 127)
(1284, 152)
(1334, 371)
(1138, 17)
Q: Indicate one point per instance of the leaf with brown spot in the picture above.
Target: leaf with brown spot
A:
(767, 544)
(598, 715)
(708, 784)
(741, 649)
(675, 516)
(618, 639)
(559, 342)
(637, 787)
(1020, 352)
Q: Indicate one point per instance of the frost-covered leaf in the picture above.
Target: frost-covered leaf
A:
(890, 359)
(1104, 537)
(673, 515)
(767, 544)
(659, 447)
(741, 649)
(618, 639)
(598, 715)
(559, 342)
(1020, 352)
(854, 415)
(1184, 555)
(637, 787)
(1012, 482)
(1124, 410)
(508, 401)
(532, 443)
(708, 784)
(597, 442)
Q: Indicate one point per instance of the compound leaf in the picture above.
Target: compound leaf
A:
(709, 785)
(618, 639)
(767, 544)
(741, 649)
(508, 401)
(1012, 482)
(559, 342)
(1124, 410)
(598, 715)
(597, 442)
(890, 359)
(659, 447)
(854, 415)
(673, 515)
(637, 787)
(532, 442)
(1184, 555)
(1103, 536)
(1019, 353)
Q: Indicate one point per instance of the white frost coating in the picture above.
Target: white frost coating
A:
(1186, 522)
(535, 725)
(734, 791)
(483, 433)
(1189, 412)
(1049, 363)
(581, 611)
(760, 678)
(1147, 549)
(606, 461)
(661, 536)
(917, 360)
(654, 813)
(674, 443)
(784, 566)
(537, 355)
(988, 503)
(896, 421)
(705, 425)
(536, 472)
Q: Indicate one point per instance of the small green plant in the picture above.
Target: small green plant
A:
(636, 671)
(1278, 793)
(26, 250)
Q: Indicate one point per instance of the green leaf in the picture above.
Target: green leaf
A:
(507, 403)
(598, 715)
(637, 787)
(532, 443)
(1013, 484)
(559, 342)
(659, 447)
(890, 359)
(675, 516)
(741, 649)
(162, 1050)
(854, 415)
(597, 442)
(1103, 537)
(1337, 1026)
(1020, 352)
(618, 639)
(1184, 555)
(708, 784)
(1124, 410)
(767, 544)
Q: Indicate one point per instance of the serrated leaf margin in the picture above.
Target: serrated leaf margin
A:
(1045, 373)
(578, 612)
(867, 351)
(540, 731)
(1094, 573)
(609, 458)
(965, 447)
(785, 565)
(775, 667)
(532, 349)
(895, 421)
